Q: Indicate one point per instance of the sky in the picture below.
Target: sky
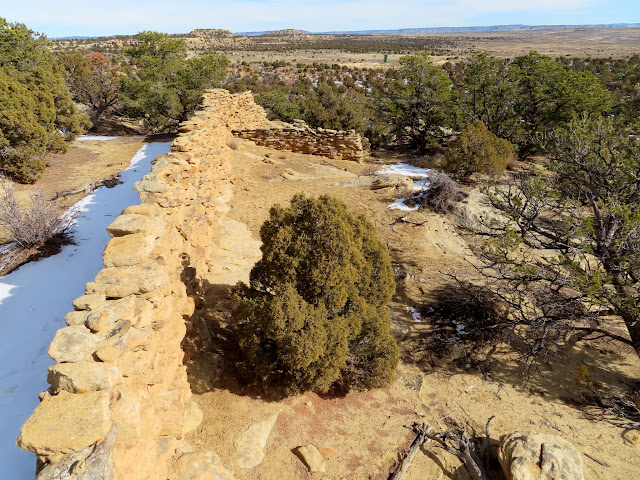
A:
(124, 17)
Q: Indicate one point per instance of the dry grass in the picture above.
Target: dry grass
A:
(34, 224)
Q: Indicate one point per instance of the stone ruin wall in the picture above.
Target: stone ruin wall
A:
(119, 404)
(300, 138)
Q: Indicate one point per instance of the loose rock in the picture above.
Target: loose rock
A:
(200, 466)
(531, 456)
(73, 344)
(250, 443)
(312, 458)
(83, 377)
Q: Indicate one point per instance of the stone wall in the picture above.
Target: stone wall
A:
(300, 138)
(119, 403)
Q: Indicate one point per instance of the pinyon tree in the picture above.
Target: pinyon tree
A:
(315, 313)
(563, 251)
(166, 87)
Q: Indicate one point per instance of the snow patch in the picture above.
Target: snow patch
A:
(94, 138)
(400, 205)
(414, 314)
(35, 298)
(405, 169)
(420, 178)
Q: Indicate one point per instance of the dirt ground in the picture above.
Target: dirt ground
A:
(84, 162)
(369, 430)
(578, 42)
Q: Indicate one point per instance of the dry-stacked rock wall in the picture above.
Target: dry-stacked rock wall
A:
(300, 138)
(119, 404)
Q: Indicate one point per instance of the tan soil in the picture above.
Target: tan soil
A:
(84, 162)
(367, 430)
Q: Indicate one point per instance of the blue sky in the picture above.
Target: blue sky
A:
(82, 17)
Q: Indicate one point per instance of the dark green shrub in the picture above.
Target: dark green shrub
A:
(477, 150)
(315, 313)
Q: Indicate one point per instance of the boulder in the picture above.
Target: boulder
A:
(149, 186)
(83, 377)
(129, 224)
(76, 317)
(66, 423)
(533, 456)
(312, 458)
(88, 302)
(90, 463)
(250, 444)
(398, 184)
(108, 354)
(200, 466)
(102, 317)
(193, 417)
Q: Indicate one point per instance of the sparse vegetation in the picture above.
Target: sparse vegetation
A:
(441, 195)
(315, 314)
(417, 101)
(563, 252)
(165, 87)
(33, 225)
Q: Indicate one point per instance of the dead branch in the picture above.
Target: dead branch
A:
(405, 463)
(456, 443)
(487, 451)
(597, 460)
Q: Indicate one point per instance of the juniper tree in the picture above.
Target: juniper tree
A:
(37, 113)
(417, 101)
(315, 313)
(477, 150)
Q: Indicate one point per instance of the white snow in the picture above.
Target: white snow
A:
(405, 169)
(400, 205)
(34, 300)
(459, 328)
(414, 314)
(420, 178)
(93, 138)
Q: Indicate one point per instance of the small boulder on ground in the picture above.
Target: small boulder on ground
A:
(397, 184)
(312, 458)
(534, 456)
(250, 443)
(200, 466)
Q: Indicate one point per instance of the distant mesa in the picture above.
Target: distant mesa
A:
(210, 32)
(294, 33)
(417, 31)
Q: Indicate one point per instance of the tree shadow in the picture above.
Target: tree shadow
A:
(464, 331)
(211, 352)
